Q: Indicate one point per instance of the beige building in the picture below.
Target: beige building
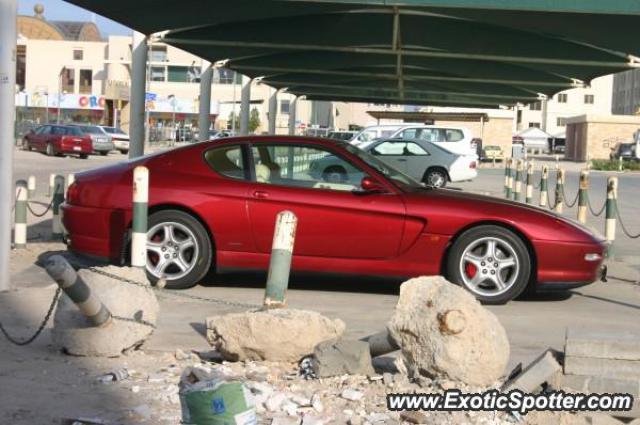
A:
(594, 136)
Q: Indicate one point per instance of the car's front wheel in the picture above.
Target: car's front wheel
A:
(50, 150)
(25, 145)
(178, 249)
(491, 262)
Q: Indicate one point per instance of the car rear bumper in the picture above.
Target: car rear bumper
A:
(103, 147)
(121, 144)
(95, 232)
(566, 264)
(71, 148)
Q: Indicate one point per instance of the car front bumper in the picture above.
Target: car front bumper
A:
(569, 263)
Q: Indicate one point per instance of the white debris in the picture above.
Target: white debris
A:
(351, 394)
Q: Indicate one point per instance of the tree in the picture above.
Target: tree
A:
(254, 120)
(233, 123)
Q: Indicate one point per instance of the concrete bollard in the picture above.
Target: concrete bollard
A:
(518, 183)
(58, 199)
(611, 209)
(583, 196)
(544, 186)
(529, 193)
(78, 291)
(507, 177)
(557, 162)
(140, 216)
(558, 207)
(20, 227)
(31, 186)
(280, 262)
(52, 182)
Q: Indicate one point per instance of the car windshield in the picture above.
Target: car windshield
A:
(91, 129)
(73, 131)
(398, 178)
(113, 130)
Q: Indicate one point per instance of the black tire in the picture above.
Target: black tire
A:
(25, 145)
(205, 257)
(124, 151)
(50, 151)
(104, 153)
(435, 177)
(334, 174)
(521, 275)
(84, 156)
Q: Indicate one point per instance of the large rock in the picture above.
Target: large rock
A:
(332, 358)
(444, 332)
(73, 333)
(277, 335)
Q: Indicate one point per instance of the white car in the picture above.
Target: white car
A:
(425, 161)
(120, 138)
(371, 133)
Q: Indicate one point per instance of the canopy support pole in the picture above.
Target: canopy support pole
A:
(273, 111)
(204, 122)
(545, 114)
(137, 101)
(245, 105)
(8, 39)
(397, 46)
(292, 116)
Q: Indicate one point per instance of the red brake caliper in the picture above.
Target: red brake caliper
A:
(470, 270)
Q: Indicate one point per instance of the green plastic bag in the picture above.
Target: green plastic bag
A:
(217, 402)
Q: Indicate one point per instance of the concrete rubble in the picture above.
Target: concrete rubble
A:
(276, 335)
(332, 358)
(444, 332)
(72, 332)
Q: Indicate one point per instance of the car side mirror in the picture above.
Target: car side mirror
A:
(369, 185)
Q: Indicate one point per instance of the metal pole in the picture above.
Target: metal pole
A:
(273, 111)
(280, 263)
(245, 105)
(20, 227)
(233, 109)
(545, 115)
(610, 214)
(140, 219)
(78, 291)
(583, 196)
(206, 78)
(147, 88)
(137, 102)
(292, 116)
(8, 34)
(543, 186)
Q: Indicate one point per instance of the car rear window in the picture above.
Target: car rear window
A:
(227, 160)
(91, 130)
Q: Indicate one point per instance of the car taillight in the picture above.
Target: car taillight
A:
(73, 193)
(473, 165)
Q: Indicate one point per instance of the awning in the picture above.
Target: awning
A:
(425, 52)
(430, 116)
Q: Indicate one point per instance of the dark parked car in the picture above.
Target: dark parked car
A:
(625, 151)
(58, 140)
(213, 206)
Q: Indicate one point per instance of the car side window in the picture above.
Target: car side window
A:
(227, 160)
(304, 166)
(398, 149)
(43, 130)
(453, 135)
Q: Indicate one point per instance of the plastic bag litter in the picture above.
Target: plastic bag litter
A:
(216, 401)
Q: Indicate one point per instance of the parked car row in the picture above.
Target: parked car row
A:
(76, 139)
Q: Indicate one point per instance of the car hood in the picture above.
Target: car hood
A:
(448, 210)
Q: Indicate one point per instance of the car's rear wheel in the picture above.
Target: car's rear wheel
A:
(334, 175)
(50, 150)
(25, 145)
(435, 177)
(84, 156)
(104, 153)
(491, 262)
(178, 249)
(124, 151)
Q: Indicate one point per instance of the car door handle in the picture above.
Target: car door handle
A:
(260, 194)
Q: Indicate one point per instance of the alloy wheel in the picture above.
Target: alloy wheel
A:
(489, 266)
(436, 179)
(172, 250)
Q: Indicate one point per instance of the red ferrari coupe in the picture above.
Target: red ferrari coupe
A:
(214, 204)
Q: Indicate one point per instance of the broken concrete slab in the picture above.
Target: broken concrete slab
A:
(535, 374)
(601, 367)
(602, 419)
(603, 344)
(72, 332)
(276, 335)
(444, 332)
(332, 358)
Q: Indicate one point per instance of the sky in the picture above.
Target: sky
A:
(58, 10)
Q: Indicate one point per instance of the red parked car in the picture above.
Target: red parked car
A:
(58, 140)
(213, 205)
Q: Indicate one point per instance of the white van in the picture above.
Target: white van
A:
(374, 132)
(454, 139)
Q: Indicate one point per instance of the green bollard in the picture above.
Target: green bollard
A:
(544, 186)
(58, 200)
(529, 193)
(20, 227)
(558, 207)
(31, 185)
(280, 262)
(140, 217)
(518, 183)
(610, 214)
(507, 177)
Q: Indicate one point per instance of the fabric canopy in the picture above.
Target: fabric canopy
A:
(433, 52)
